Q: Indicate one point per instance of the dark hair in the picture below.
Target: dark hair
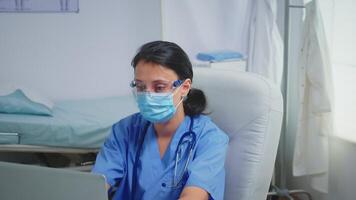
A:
(172, 56)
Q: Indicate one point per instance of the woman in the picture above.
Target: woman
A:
(169, 150)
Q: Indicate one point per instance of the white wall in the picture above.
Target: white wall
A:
(342, 170)
(71, 56)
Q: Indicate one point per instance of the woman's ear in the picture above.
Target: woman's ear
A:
(186, 86)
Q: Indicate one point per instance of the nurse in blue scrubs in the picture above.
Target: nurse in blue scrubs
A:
(170, 149)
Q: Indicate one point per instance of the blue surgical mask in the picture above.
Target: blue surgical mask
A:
(156, 107)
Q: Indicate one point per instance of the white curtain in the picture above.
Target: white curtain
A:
(247, 26)
(265, 47)
(314, 127)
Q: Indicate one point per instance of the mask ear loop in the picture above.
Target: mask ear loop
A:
(179, 102)
(178, 83)
(185, 97)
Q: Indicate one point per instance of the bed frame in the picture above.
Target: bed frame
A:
(44, 149)
(78, 159)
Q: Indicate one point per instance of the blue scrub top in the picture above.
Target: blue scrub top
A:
(155, 175)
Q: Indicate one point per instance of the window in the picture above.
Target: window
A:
(344, 68)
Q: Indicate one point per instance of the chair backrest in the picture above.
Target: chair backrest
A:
(249, 109)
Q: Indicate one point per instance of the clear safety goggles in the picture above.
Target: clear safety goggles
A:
(159, 87)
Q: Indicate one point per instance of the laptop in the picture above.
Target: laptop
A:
(18, 182)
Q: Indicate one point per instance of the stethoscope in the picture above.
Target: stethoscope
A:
(188, 137)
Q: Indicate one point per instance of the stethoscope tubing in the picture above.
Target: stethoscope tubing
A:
(137, 156)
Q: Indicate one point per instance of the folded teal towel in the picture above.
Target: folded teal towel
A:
(217, 56)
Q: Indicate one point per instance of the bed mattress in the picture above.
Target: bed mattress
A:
(74, 124)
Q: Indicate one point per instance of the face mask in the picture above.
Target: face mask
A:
(156, 107)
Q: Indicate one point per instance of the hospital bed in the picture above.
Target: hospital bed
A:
(76, 127)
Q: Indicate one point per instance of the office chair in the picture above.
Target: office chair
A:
(249, 109)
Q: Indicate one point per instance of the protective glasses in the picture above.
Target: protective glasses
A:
(156, 86)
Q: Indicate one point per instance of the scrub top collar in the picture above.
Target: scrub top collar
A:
(168, 156)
